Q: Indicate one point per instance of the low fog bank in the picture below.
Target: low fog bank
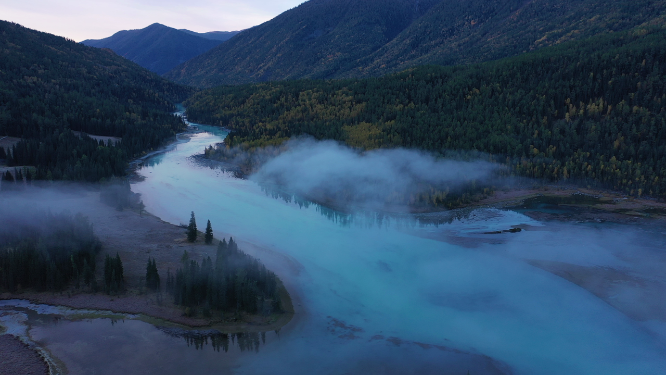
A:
(26, 206)
(20, 220)
(331, 173)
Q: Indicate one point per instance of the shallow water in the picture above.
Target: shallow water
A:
(387, 298)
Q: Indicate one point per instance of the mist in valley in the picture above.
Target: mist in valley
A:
(555, 298)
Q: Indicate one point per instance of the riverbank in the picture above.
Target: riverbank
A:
(135, 236)
(584, 204)
(17, 357)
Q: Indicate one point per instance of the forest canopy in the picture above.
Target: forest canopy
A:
(590, 111)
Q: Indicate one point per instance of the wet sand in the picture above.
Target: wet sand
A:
(17, 358)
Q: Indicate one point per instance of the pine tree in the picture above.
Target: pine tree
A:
(209, 234)
(152, 276)
(28, 176)
(192, 229)
(114, 280)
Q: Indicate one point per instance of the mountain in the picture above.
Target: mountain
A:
(157, 47)
(222, 36)
(52, 88)
(589, 111)
(357, 38)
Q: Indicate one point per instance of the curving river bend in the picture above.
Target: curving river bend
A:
(391, 298)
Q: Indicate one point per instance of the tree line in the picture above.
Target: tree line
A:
(235, 282)
(589, 112)
(46, 251)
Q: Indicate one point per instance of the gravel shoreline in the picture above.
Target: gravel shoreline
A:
(17, 357)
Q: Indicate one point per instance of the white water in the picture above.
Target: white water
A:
(390, 283)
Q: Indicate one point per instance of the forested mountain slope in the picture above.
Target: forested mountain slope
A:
(314, 39)
(157, 48)
(51, 86)
(359, 38)
(592, 111)
(470, 31)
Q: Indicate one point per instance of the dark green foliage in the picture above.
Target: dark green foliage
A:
(152, 276)
(157, 48)
(46, 251)
(591, 112)
(114, 280)
(209, 234)
(323, 39)
(192, 229)
(51, 87)
(236, 282)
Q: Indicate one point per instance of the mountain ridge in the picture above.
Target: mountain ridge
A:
(157, 47)
(330, 39)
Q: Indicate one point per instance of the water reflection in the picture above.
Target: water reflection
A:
(366, 218)
(220, 342)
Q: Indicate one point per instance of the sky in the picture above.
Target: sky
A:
(96, 19)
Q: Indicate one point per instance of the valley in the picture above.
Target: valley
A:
(386, 187)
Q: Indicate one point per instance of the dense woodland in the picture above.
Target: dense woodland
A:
(51, 86)
(235, 282)
(333, 39)
(590, 112)
(46, 251)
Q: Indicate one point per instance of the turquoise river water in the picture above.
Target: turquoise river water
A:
(385, 298)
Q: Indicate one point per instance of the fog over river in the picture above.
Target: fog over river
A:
(397, 297)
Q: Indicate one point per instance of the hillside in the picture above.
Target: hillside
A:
(51, 86)
(315, 39)
(159, 48)
(345, 38)
(589, 111)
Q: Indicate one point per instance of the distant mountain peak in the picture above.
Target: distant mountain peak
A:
(158, 47)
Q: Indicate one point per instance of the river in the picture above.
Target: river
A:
(393, 297)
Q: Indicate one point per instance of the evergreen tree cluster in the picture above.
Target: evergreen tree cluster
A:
(52, 87)
(16, 180)
(114, 279)
(152, 276)
(235, 282)
(589, 112)
(46, 251)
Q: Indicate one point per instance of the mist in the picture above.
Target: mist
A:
(383, 179)
(555, 298)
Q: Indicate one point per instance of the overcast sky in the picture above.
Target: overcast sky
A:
(96, 19)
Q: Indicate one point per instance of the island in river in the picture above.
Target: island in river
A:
(135, 235)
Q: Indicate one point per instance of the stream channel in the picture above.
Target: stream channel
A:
(384, 297)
